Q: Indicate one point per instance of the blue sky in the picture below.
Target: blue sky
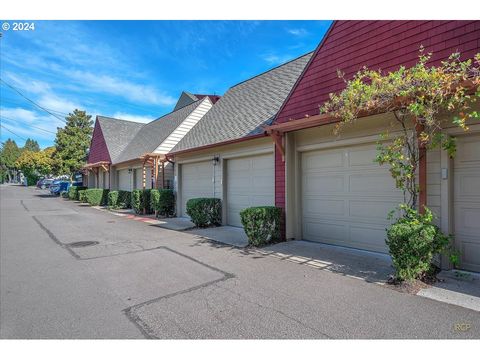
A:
(134, 70)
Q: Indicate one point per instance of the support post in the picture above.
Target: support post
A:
(422, 172)
(163, 174)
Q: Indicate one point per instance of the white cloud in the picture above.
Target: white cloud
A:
(297, 32)
(52, 101)
(27, 123)
(274, 59)
(133, 117)
(126, 89)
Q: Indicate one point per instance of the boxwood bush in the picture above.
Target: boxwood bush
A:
(96, 197)
(162, 202)
(73, 192)
(82, 195)
(205, 211)
(413, 240)
(140, 200)
(119, 199)
(261, 224)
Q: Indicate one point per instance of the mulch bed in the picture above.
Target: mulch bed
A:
(414, 286)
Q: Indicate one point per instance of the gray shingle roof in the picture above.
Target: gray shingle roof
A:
(185, 99)
(245, 107)
(147, 139)
(117, 134)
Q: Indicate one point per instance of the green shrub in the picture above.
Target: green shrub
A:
(146, 201)
(137, 201)
(119, 199)
(32, 179)
(413, 240)
(82, 195)
(162, 202)
(205, 211)
(96, 197)
(113, 199)
(73, 192)
(261, 224)
(140, 201)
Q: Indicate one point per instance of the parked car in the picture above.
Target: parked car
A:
(44, 183)
(58, 186)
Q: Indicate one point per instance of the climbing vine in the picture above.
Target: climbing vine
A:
(420, 97)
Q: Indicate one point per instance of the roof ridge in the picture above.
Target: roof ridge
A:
(172, 112)
(274, 68)
(117, 119)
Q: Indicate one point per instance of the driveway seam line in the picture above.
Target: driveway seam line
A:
(55, 239)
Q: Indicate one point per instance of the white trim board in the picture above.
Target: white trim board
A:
(186, 125)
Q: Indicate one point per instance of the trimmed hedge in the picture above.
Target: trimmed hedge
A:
(141, 201)
(413, 240)
(205, 211)
(73, 192)
(119, 199)
(261, 224)
(82, 195)
(162, 202)
(96, 197)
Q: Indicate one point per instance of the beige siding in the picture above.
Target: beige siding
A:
(433, 183)
(242, 149)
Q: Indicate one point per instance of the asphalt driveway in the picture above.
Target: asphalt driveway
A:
(144, 281)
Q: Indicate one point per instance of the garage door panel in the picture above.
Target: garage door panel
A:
(369, 237)
(325, 231)
(250, 182)
(362, 157)
(196, 182)
(347, 205)
(376, 182)
(124, 180)
(322, 184)
(466, 185)
(316, 206)
(372, 210)
(330, 159)
(467, 201)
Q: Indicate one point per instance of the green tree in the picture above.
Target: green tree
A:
(72, 142)
(35, 162)
(31, 145)
(9, 154)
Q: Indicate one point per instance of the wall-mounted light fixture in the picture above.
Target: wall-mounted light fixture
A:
(215, 160)
(130, 171)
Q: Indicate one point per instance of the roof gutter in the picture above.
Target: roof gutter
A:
(228, 142)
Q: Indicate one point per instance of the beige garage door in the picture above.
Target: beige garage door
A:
(250, 182)
(467, 201)
(346, 198)
(196, 182)
(124, 180)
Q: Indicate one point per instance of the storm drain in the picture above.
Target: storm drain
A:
(79, 244)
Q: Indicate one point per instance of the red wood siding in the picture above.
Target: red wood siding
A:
(350, 45)
(385, 45)
(98, 146)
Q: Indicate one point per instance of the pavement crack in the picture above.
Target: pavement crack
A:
(54, 238)
(24, 206)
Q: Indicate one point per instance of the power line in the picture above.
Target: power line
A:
(14, 102)
(28, 125)
(33, 102)
(10, 131)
